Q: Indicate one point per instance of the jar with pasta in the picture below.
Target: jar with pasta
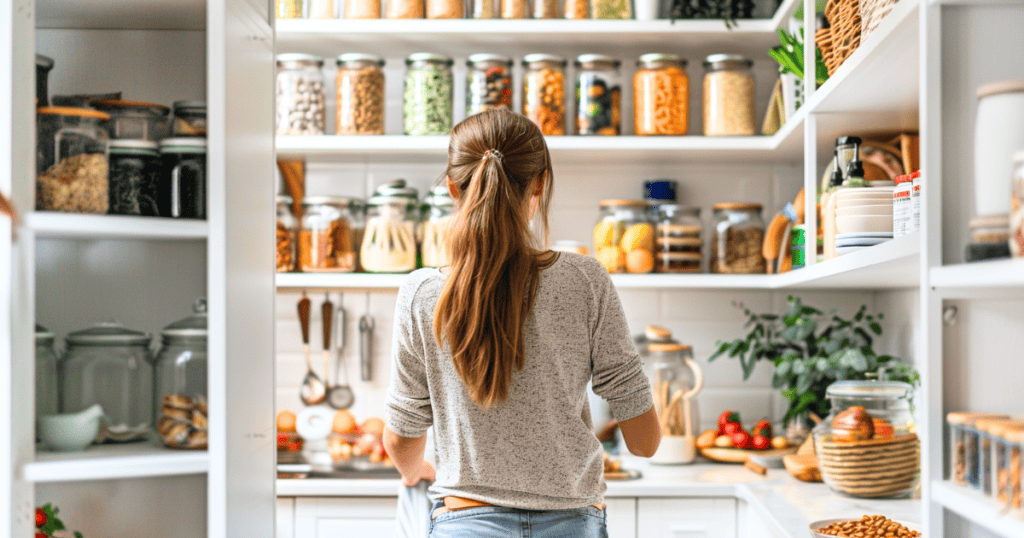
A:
(427, 100)
(439, 214)
(738, 240)
(598, 95)
(329, 233)
(404, 9)
(661, 95)
(577, 9)
(300, 95)
(389, 242)
(362, 9)
(445, 9)
(544, 92)
(360, 95)
(624, 237)
(728, 96)
(611, 9)
(545, 9)
(488, 83)
(678, 240)
(287, 235)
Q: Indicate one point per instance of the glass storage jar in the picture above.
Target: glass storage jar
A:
(109, 365)
(362, 9)
(300, 95)
(189, 118)
(678, 242)
(675, 379)
(389, 242)
(181, 362)
(404, 9)
(545, 9)
(134, 119)
(728, 96)
(445, 9)
(183, 180)
(544, 92)
(624, 237)
(986, 429)
(577, 9)
(427, 100)
(738, 239)
(329, 233)
(598, 95)
(661, 95)
(868, 419)
(286, 236)
(46, 372)
(1016, 469)
(488, 83)
(963, 445)
(441, 207)
(360, 94)
(43, 66)
(134, 178)
(288, 9)
(515, 9)
(71, 160)
(1017, 207)
(485, 9)
(1004, 479)
(611, 9)
(322, 9)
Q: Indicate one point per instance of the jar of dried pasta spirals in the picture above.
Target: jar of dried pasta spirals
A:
(544, 92)
(360, 95)
(661, 95)
(728, 96)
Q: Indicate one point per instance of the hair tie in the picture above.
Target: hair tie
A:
(493, 153)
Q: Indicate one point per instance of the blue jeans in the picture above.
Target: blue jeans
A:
(501, 522)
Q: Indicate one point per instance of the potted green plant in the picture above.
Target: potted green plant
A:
(810, 350)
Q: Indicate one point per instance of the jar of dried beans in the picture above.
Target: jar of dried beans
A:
(678, 240)
(328, 234)
(738, 239)
(134, 182)
(287, 231)
(544, 92)
(598, 95)
(624, 237)
(71, 160)
(488, 83)
(300, 95)
(427, 99)
(360, 95)
(728, 96)
(661, 95)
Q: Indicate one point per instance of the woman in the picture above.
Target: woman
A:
(496, 351)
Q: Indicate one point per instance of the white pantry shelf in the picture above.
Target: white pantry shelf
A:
(76, 226)
(977, 508)
(115, 461)
(999, 276)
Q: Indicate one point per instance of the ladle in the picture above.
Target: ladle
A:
(313, 390)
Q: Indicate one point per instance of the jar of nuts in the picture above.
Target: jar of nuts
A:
(427, 100)
(300, 95)
(71, 160)
(329, 234)
(678, 240)
(544, 92)
(598, 95)
(488, 83)
(624, 237)
(738, 239)
(661, 95)
(360, 95)
(287, 231)
(728, 96)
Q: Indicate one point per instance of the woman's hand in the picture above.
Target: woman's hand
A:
(426, 472)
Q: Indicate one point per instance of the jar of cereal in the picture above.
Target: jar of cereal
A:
(661, 95)
(360, 95)
(624, 237)
(71, 160)
(300, 95)
(598, 95)
(738, 239)
(544, 92)
(728, 96)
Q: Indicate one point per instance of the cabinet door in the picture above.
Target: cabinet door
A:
(354, 516)
(285, 517)
(621, 517)
(686, 518)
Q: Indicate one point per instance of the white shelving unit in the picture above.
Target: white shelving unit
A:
(974, 507)
(58, 225)
(103, 462)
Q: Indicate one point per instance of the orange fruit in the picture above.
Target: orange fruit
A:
(612, 258)
(373, 425)
(286, 421)
(604, 234)
(343, 422)
(638, 236)
(639, 261)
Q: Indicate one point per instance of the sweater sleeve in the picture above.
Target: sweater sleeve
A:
(409, 413)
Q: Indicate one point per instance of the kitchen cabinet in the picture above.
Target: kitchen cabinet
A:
(331, 517)
(284, 526)
(621, 517)
(686, 518)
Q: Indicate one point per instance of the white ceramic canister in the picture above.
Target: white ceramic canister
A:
(998, 134)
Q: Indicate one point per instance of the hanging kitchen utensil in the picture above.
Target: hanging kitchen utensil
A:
(327, 320)
(313, 390)
(341, 396)
(365, 346)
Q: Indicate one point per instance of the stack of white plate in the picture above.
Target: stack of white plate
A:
(863, 218)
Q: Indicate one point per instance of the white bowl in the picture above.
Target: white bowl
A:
(850, 195)
(864, 210)
(863, 223)
(826, 522)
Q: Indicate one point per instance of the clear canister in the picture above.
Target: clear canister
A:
(286, 236)
(427, 99)
(360, 95)
(440, 210)
(404, 9)
(544, 92)
(109, 365)
(445, 9)
(546, 9)
(389, 242)
(611, 9)
(181, 363)
(738, 239)
(488, 83)
(46, 372)
(134, 119)
(598, 95)
(624, 237)
(985, 464)
(189, 118)
(288, 9)
(577, 9)
(182, 191)
(1006, 472)
(329, 234)
(661, 95)
(515, 9)
(71, 160)
(675, 379)
(1016, 469)
(1017, 207)
(728, 96)
(134, 178)
(484, 9)
(300, 95)
(362, 9)
(678, 242)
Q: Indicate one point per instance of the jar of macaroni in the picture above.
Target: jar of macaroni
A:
(544, 92)
(661, 95)
(728, 96)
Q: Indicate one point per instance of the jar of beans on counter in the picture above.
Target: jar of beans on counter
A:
(488, 83)
(677, 241)
(360, 95)
(728, 96)
(329, 234)
(544, 92)
(300, 95)
(287, 232)
(624, 237)
(661, 95)
(427, 100)
(598, 95)
(736, 246)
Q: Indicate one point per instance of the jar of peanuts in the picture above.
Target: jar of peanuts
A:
(300, 95)
(661, 95)
(738, 239)
(598, 95)
(360, 95)
(331, 230)
(544, 92)
(287, 228)
(488, 83)
(624, 237)
(728, 96)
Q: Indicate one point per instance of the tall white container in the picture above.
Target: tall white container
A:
(999, 133)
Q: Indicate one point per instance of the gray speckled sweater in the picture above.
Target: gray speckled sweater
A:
(536, 450)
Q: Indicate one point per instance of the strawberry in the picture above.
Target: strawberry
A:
(40, 517)
(732, 428)
(727, 417)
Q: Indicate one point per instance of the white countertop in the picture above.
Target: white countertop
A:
(779, 499)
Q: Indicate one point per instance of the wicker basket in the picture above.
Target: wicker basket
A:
(844, 21)
(823, 38)
(871, 13)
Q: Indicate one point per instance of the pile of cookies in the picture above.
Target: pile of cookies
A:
(183, 422)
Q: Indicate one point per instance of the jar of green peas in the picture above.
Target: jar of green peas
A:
(427, 99)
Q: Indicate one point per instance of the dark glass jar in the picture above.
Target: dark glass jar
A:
(134, 178)
(183, 178)
(43, 67)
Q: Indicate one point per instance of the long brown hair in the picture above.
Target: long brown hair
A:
(495, 160)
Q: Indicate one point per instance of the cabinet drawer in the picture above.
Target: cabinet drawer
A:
(333, 517)
(686, 518)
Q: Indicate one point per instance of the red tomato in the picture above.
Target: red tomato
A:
(731, 428)
(727, 417)
(741, 439)
(41, 535)
(761, 442)
(763, 428)
(40, 517)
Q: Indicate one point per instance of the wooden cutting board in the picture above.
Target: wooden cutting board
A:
(740, 455)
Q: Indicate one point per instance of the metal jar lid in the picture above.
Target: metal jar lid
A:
(353, 57)
(133, 146)
(293, 60)
(194, 105)
(44, 337)
(488, 58)
(727, 61)
(428, 57)
(44, 62)
(108, 334)
(543, 58)
(183, 145)
(589, 61)
(192, 328)
(647, 60)
(869, 390)
(439, 196)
